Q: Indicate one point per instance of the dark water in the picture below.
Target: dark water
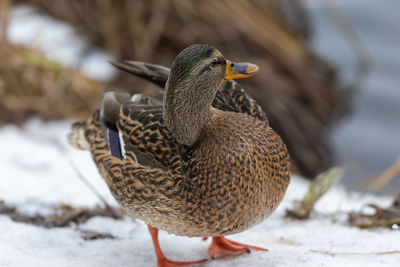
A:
(369, 140)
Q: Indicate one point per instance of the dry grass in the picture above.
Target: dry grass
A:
(382, 217)
(385, 177)
(31, 84)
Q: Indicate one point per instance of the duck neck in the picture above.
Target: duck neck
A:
(186, 111)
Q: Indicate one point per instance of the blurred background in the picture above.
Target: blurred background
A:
(329, 69)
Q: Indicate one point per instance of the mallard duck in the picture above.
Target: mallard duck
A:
(200, 162)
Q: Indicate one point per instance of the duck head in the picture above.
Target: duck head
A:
(196, 75)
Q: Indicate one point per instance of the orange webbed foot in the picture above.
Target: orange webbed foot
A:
(222, 247)
(162, 261)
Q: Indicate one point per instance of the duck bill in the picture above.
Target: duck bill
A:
(239, 70)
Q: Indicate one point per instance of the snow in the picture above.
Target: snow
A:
(36, 175)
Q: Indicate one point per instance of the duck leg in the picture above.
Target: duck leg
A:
(222, 247)
(162, 261)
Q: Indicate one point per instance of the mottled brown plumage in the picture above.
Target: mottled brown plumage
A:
(213, 166)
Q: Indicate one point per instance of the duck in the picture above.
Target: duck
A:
(200, 161)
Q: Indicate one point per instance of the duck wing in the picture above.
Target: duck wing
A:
(230, 97)
(136, 124)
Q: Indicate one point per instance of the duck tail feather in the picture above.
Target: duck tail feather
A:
(154, 73)
(76, 137)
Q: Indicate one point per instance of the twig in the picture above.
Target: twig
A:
(114, 213)
(382, 217)
(355, 253)
(91, 187)
(316, 189)
(348, 31)
(385, 177)
(63, 215)
(378, 223)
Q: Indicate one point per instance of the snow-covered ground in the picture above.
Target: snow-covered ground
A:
(36, 174)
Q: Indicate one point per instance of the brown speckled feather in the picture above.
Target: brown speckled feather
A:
(143, 128)
(232, 179)
(232, 97)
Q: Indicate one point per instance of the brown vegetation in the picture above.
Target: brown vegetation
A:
(31, 84)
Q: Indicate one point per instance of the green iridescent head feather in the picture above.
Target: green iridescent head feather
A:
(187, 59)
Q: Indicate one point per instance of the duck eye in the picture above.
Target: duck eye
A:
(214, 63)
